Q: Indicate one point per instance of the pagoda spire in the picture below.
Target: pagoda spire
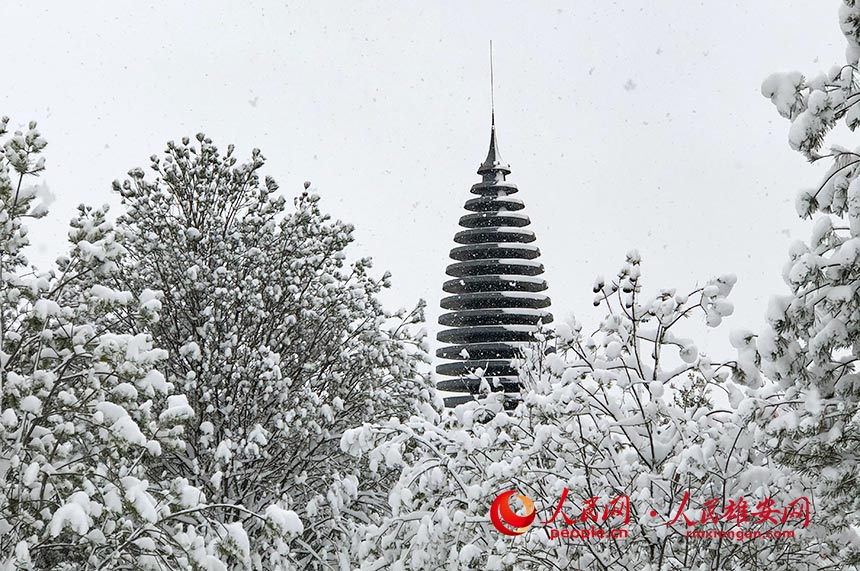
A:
(494, 163)
(493, 166)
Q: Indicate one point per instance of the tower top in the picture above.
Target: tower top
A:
(493, 164)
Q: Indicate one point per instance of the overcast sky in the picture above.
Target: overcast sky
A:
(627, 124)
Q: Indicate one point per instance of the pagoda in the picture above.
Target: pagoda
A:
(497, 300)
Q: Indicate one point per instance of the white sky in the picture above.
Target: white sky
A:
(627, 124)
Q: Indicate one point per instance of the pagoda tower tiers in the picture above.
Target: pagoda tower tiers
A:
(497, 299)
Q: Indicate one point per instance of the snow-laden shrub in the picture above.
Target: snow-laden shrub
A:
(633, 409)
(277, 341)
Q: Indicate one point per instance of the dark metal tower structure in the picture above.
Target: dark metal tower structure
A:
(497, 302)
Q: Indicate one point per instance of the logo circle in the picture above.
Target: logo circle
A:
(502, 514)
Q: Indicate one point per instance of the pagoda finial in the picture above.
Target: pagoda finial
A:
(493, 164)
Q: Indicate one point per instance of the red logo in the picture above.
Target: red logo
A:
(501, 511)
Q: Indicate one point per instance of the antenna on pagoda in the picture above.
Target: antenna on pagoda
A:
(492, 89)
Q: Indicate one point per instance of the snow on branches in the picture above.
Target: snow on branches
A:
(631, 410)
(810, 347)
(277, 341)
(86, 416)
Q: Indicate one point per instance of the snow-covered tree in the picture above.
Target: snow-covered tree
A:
(279, 343)
(86, 412)
(73, 417)
(632, 410)
(812, 345)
